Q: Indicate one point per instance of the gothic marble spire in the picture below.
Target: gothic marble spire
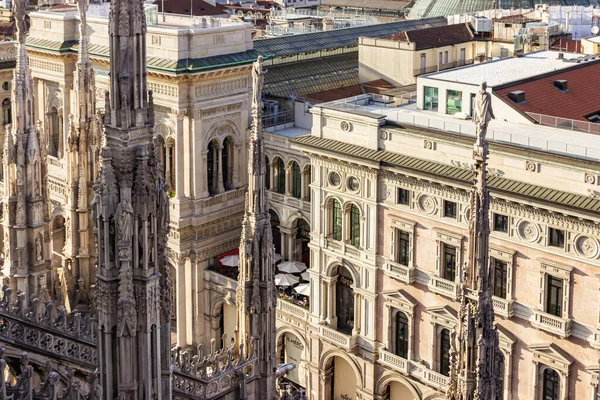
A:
(131, 213)
(80, 161)
(475, 354)
(24, 223)
(256, 288)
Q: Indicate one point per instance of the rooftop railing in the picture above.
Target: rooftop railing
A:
(565, 123)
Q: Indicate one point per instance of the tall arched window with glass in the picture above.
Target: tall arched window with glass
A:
(267, 174)
(280, 175)
(336, 220)
(401, 345)
(445, 352)
(296, 181)
(345, 301)
(551, 385)
(6, 112)
(354, 226)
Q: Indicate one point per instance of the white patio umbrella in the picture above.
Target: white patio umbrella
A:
(292, 267)
(303, 289)
(277, 257)
(231, 261)
(286, 280)
(305, 276)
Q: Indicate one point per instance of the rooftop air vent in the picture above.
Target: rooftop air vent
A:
(561, 56)
(518, 96)
(561, 84)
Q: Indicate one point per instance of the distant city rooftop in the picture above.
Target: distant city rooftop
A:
(508, 70)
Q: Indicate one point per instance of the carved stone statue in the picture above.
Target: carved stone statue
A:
(107, 107)
(38, 248)
(124, 219)
(257, 81)
(163, 209)
(83, 6)
(483, 113)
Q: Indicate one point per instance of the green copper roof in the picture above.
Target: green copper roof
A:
(497, 184)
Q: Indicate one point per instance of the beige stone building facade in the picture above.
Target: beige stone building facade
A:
(389, 228)
(201, 106)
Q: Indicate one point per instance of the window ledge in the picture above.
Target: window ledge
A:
(553, 324)
(400, 272)
(444, 287)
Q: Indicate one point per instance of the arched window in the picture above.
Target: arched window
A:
(267, 174)
(303, 236)
(212, 168)
(296, 181)
(280, 176)
(307, 178)
(6, 112)
(275, 231)
(401, 345)
(345, 301)
(551, 385)
(445, 352)
(354, 226)
(227, 161)
(336, 220)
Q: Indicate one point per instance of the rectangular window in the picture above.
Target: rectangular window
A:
(403, 247)
(440, 58)
(445, 57)
(503, 53)
(354, 226)
(500, 278)
(500, 223)
(403, 196)
(423, 63)
(556, 237)
(449, 272)
(449, 209)
(453, 101)
(554, 294)
(431, 98)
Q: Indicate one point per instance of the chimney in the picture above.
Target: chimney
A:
(518, 96)
(561, 56)
(561, 84)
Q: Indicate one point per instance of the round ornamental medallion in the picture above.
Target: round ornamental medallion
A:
(427, 204)
(530, 166)
(353, 184)
(590, 178)
(345, 126)
(587, 247)
(528, 231)
(334, 179)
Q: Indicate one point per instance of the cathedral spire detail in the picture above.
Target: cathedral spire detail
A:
(24, 216)
(130, 209)
(256, 302)
(475, 354)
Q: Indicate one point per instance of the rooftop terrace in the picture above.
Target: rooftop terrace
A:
(554, 140)
(507, 70)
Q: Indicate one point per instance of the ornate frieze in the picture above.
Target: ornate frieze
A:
(220, 88)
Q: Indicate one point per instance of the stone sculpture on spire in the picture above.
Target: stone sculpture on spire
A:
(475, 353)
(256, 302)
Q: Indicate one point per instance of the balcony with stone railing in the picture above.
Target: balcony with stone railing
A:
(344, 248)
(413, 369)
(401, 272)
(291, 201)
(337, 338)
(444, 287)
(222, 200)
(217, 277)
(551, 323)
(394, 361)
(503, 307)
(287, 311)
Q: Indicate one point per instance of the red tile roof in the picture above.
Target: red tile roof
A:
(542, 97)
(435, 37)
(567, 45)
